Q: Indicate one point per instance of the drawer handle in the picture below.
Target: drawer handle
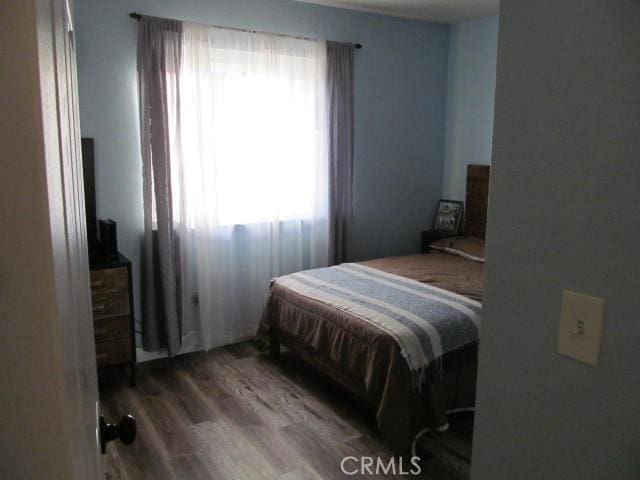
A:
(101, 356)
(97, 283)
(101, 331)
(99, 306)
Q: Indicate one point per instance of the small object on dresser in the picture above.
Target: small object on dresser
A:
(448, 216)
(108, 239)
(427, 237)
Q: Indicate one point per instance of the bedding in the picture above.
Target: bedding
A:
(469, 247)
(400, 332)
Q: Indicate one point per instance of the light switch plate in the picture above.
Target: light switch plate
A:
(581, 327)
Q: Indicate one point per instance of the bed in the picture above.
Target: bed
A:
(401, 333)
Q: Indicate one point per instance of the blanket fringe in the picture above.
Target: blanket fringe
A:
(440, 429)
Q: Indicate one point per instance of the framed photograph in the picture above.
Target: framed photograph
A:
(448, 216)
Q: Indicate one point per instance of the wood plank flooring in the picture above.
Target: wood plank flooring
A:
(233, 413)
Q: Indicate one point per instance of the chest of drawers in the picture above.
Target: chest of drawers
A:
(113, 320)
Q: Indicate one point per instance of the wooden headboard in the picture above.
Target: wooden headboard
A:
(475, 222)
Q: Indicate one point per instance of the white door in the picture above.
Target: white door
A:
(48, 388)
(69, 239)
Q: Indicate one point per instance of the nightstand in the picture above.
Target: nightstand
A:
(113, 325)
(427, 237)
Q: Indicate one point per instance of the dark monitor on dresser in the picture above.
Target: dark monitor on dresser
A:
(88, 173)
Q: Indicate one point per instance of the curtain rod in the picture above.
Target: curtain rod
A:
(137, 16)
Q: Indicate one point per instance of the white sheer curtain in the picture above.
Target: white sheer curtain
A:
(249, 174)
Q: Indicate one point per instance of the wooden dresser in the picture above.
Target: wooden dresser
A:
(113, 323)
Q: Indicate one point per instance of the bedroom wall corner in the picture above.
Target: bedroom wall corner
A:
(471, 82)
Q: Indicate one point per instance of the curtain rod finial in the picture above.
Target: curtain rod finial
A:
(358, 46)
(135, 15)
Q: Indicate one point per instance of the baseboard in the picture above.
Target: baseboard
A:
(190, 344)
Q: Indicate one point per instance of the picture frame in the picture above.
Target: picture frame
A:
(448, 216)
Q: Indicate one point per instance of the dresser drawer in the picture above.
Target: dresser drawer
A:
(113, 352)
(109, 280)
(110, 304)
(112, 328)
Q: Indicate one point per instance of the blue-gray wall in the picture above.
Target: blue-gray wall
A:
(471, 83)
(401, 76)
(565, 213)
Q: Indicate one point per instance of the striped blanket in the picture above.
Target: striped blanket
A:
(425, 321)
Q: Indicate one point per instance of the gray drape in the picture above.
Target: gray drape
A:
(340, 73)
(159, 57)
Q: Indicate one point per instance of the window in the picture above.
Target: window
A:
(249, 141)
